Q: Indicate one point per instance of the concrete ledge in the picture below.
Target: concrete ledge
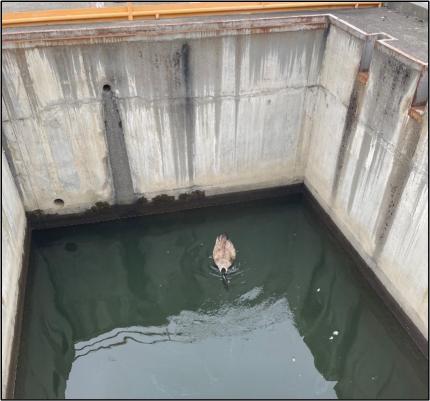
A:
(158, 205)
(417, 9)
(166, 30)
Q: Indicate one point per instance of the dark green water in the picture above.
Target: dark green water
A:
(132, 309)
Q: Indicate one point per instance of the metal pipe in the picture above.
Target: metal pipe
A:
(131, 11)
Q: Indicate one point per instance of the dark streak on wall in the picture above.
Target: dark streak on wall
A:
(396, 183)
(120, 166)
(349, 128)
(382, 113)
(237, 78)
(189, 109)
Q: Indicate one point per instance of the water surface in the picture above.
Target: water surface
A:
(132, 309)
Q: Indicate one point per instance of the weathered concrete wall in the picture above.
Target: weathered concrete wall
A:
(210, 113)
(368, 166)
(13, 228)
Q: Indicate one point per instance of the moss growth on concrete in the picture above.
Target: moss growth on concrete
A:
(100, 207)
(194, 195)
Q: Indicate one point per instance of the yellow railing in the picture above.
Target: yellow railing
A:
(130, 11)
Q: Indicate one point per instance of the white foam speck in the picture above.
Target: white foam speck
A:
(293, 359)
(331, 338)
(335, 332)
(318, 289)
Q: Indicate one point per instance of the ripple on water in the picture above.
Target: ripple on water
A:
(251, 295)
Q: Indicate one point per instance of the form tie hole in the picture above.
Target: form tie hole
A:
(58, 202)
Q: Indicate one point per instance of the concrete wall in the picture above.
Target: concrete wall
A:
(13, 228)
(210, 113)
(368, 166)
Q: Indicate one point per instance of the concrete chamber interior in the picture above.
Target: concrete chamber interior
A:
(120, 114)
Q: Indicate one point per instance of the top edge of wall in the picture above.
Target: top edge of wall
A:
(46, 36)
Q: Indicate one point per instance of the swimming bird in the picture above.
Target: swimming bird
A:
(223, 254)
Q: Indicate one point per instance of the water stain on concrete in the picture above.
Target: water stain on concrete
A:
(237, 78)
(364, 151)
(349, 129)
(176, 112)
(382, 111)
(217, 94)
(396, 183)
(189, 109)
(119, 163)
(10, 162)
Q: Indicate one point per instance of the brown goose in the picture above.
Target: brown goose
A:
(223, 254)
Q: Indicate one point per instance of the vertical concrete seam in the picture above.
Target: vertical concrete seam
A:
(306, 131)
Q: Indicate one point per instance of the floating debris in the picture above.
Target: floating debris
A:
(331, 338)
(335, 333)
(293, 359)
(318, 289)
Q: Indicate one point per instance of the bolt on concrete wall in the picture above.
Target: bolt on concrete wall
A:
(13, 227)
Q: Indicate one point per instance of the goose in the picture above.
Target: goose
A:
(223, 254)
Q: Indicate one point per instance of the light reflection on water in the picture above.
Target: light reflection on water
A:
(237, 338)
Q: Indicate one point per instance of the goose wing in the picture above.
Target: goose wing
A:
(218, 252)
(230, 251)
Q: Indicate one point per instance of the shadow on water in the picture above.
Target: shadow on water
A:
(135, 309)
